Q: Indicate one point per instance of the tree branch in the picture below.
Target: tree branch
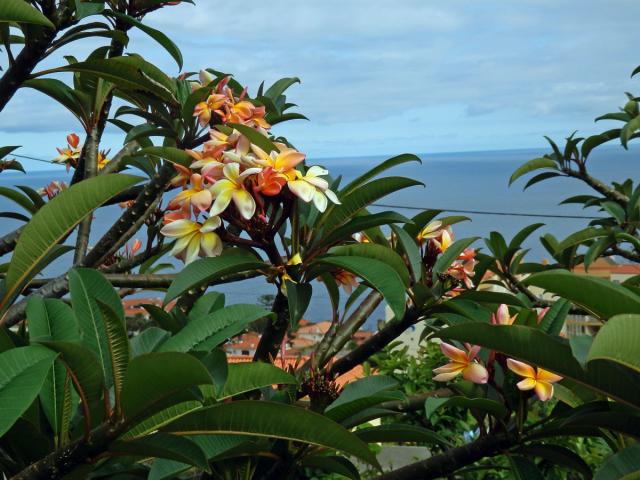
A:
(453, 459)
(597, 185)
(376, 343)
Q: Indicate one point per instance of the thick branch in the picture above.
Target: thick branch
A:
(453, 459)
(415, 402)
(8, 241)
(275, 331)
(376, 343)
(597, 185)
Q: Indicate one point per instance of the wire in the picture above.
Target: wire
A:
(481, 212)
(408, 207)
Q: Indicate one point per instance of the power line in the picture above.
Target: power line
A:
(481, 212)
(408, 207)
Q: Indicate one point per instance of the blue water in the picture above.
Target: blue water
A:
(462, 181)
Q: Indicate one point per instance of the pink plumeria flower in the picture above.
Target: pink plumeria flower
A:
(539, 380)
(197, 196)
(464, 363)
(502, 317)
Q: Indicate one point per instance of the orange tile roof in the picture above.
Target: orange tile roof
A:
(320, 327)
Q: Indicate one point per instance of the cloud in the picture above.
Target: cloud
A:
(412, 73)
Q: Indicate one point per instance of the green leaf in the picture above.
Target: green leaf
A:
(208, 270)
(118, 343)
(208, 303)
(400, 433)
(411, 250)
(171, 154)
(381, 276)
(163, 417)
(76, 101)
(22, 375)
(524, 469)
(248, 376)
(581, 236)
(51, 319)
(361, 394)
(375, 252)
(552, 353)
(450, 255)
(378, 169)
(483, 405)
(531, 165)
(359, 224)
(617, 341)
(153, 379)
(278, 88)
(553, 320)
(88, 287)
(207, 332)
(601, 297)
(23, 200)
(559, 455)
(163, 445)
(274, 420)
(148, 340)
(331, 464)
(85, 367)
(298, 298)
(21, 12)
(53, 222)
(624, 465)
(596, 140)
(157, 35)
(254, 137)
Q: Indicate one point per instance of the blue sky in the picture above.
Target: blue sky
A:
(384, 77)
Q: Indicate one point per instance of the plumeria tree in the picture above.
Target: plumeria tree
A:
(203, 176)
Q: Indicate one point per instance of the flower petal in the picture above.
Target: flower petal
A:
(180, 244)
(546, 376)
(320, 201)
(526, 384)
(210, 244)
(544, 391)
(210, 224)
(454, 353)
(245, 203)
(476, 373)
(193, 249)
(179, 228)
(302, 190)
(221, 203)
(445, 377)
(521, 368)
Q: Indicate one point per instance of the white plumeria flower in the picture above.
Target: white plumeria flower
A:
(232, 187)
(194, 238)
(310, 187)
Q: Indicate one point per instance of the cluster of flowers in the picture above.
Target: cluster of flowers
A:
(230, 170)
(70, 154)
(441, 237)
(466, 363)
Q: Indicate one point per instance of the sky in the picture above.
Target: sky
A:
(382, 78)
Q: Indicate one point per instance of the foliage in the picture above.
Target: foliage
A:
(86, 395)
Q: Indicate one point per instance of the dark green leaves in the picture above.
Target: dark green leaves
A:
(532, 165)
(21, 12)
(208, 270)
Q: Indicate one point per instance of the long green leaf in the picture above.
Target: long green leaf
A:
(207, 270)
(155, 378)
(162, 445)
(617, 341)
(22, 375)
(551, 353)
(248, 376)
(624, 465)
(375, 252)
(53, 222)
(378, 169)
(381, 276)
(400, 433)
(21, 12)
(207, 332)
(601, 297)
(530, 166)
(275, 420)
(88, 287)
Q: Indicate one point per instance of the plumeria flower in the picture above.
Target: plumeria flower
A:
(194, 238)
(102, 158)
(210, 165)
(502, 317)
(183, 176)
(270, 183)
(539, 380)
(346, 280)
(282, 161)
(361, 237)
(71, 153)
(129, 252)
(232, 187)
(310, 187)
(214, 103)
(51, 190)
(197, 196)
(464, 363)
(183, 212)
(542, 313)
(432, 230)
(444, 241)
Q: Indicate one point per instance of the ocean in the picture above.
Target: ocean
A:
(475, 181)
